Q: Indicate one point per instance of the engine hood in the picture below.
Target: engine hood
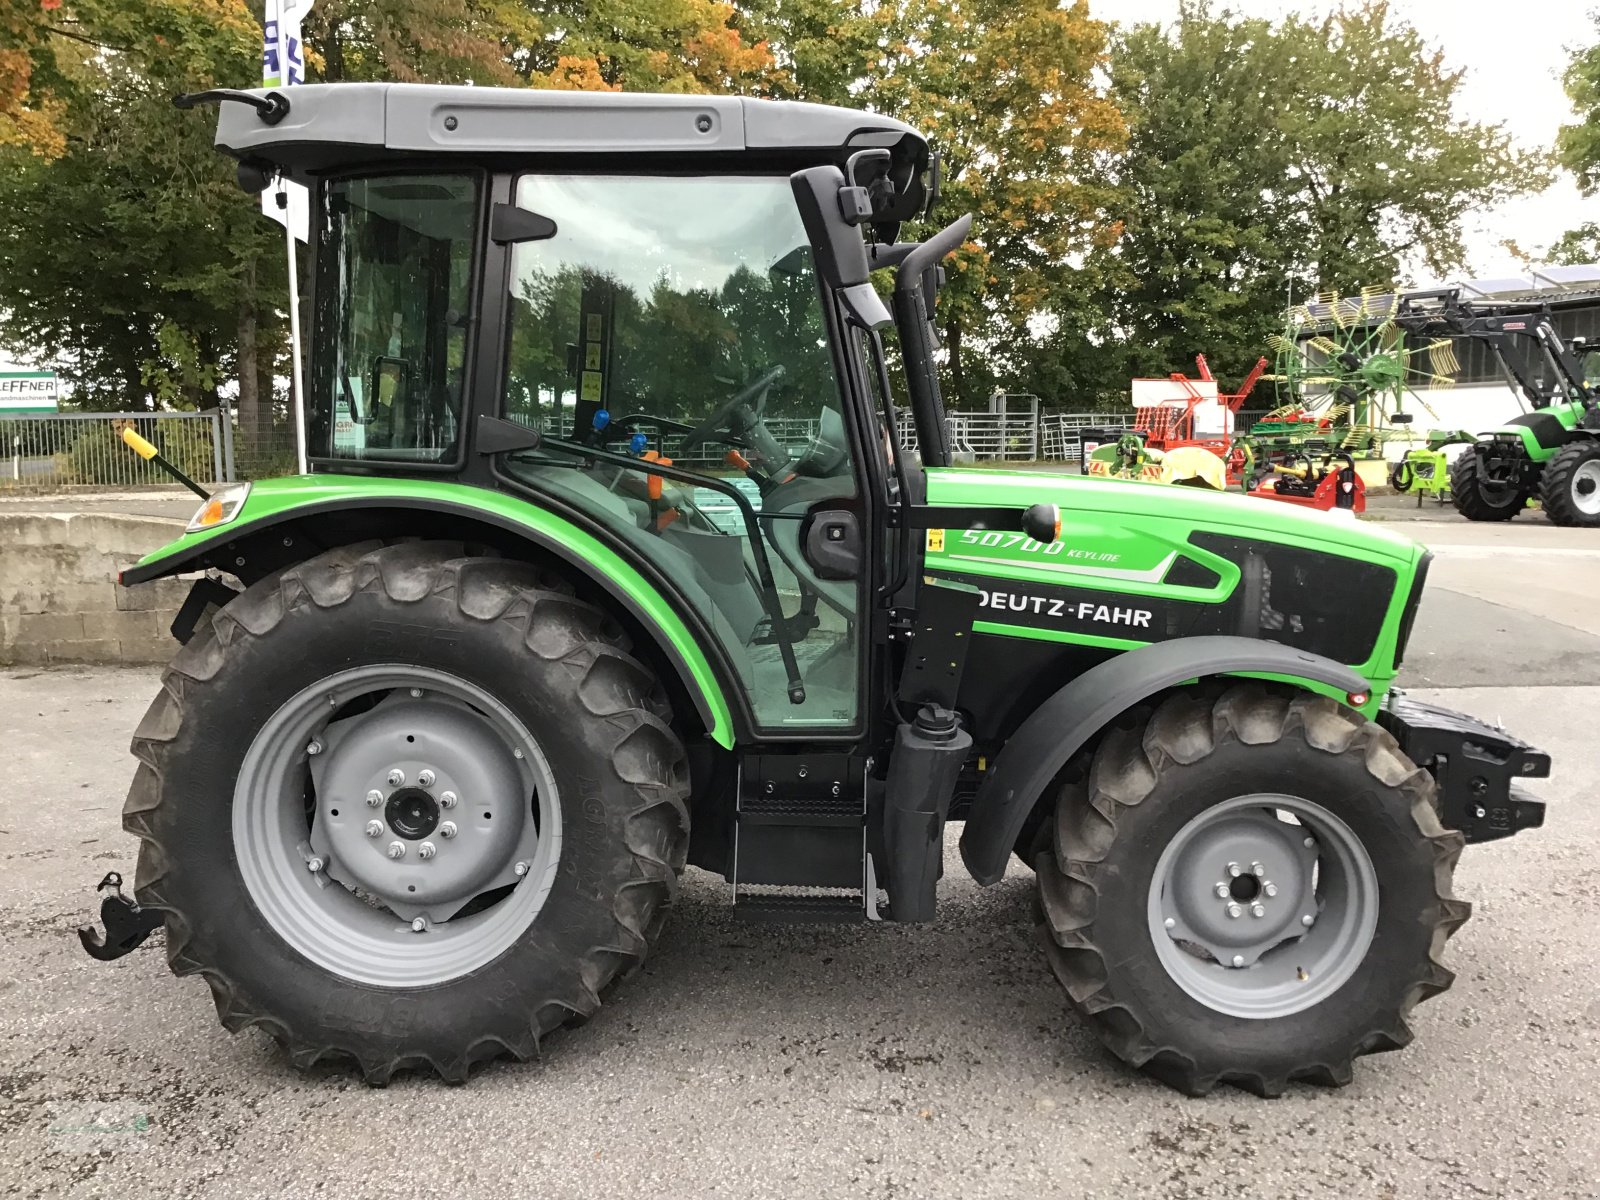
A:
(1097, 508)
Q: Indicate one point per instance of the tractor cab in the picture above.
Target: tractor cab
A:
(666, 296)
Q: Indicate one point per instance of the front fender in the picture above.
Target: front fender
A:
(1061, 726)
(257, 541)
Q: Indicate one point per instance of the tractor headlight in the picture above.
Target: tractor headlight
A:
(220, 508)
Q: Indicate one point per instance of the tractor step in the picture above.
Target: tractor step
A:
(783, 909)
(801, 827)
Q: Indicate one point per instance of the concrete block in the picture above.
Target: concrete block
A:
(49, 627)
(114, 533)
(156, 595)
(63, 596)
(59, 599)
(148, 650)
(80, 650)
(121, 626)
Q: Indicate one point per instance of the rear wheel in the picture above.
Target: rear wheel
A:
(1250, 890)
(1479, 498)
(1570, 489)
(409, 807)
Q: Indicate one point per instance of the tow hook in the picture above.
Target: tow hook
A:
(127, 925)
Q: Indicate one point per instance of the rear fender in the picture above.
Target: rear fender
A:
(1044, 743)
(288, 521)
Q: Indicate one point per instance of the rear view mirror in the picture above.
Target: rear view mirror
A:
(794, 264)
(391, 380)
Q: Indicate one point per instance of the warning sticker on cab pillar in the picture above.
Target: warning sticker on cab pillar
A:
(935, 540)
(590, 392)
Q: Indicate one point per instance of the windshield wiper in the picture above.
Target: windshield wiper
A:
(497, 436)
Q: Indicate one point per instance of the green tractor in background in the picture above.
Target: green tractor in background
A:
(607, 565)
(1550, 453)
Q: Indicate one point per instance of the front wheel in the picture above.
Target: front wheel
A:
(1250, 889)
(1570, 489)
(1479, 498)
(408, 806)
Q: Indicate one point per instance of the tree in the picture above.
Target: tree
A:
(641, 46)
(1578, 144)
(129, 257)
(1008, 93)
(27, 119)
(1268, 161)
(430, 41)
(1576, 247)
(1578, 150)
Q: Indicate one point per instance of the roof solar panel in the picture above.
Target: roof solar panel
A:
(1586, 273)
(1496, 286)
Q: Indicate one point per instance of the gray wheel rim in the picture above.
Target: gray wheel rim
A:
(339, 894)
(1263, 906)
(1586, 487)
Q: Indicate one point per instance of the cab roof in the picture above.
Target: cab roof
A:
(340, 125)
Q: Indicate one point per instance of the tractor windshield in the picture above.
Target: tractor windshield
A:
(394, 263)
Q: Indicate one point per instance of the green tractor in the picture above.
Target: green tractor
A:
(1550, 453)
(607, 565)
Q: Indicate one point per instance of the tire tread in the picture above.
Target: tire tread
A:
(1125, 771)
(624, 694)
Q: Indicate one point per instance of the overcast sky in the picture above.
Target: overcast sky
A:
(1513, 54)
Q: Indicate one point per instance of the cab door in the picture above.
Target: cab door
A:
(679, 322)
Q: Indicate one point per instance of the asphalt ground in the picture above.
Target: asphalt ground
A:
(844, 1061)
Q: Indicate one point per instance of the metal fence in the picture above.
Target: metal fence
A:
(57, 450)
(64, 450)
(1015, 437)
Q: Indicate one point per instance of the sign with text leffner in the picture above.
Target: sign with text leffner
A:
(28, 392)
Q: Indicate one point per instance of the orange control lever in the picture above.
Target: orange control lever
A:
(653, 483)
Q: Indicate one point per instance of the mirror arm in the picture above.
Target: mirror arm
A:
(914, 320)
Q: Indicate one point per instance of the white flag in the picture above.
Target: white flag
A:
(283, 55)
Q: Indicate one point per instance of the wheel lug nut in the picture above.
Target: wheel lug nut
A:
(416, 693)
(397, 849)
(1308, 920)
(313, 865)
(1222, 891)
(374, 798)
(1238, 960)
(447, 829)
(427, 850)
(374, 828)
(521, 868)
(1257, 870)
(315, 747)
(1169, 923)
(396, 777)
(1235, 911)
(1258, 910)
(1271, 889)
(1233, 869)
(419, 925)
(424, 778)
(1310, 843)
(447, 799)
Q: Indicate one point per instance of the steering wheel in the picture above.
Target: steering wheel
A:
(717, 422)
